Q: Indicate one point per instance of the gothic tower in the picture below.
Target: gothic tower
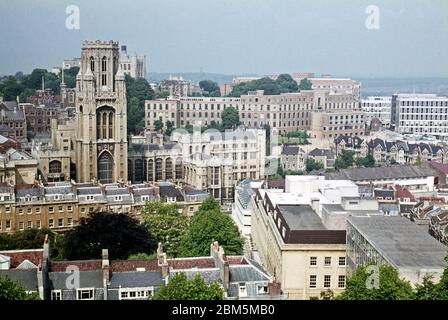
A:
(100, 140)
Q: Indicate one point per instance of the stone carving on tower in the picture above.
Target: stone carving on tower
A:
(100, 134)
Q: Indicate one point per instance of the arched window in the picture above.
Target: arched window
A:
(105, 167)
(168, 169)
(111, 124)
(92, 64)
(104, 115)
(103, 71)
(150, 170)
(138, 176)
(159, 170)
(55, 166)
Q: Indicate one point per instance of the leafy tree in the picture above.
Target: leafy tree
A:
(344, 160)
(390, 287)
(312, 164)
(230, 118)
(169, 127)
(267, 84)
(166, 224)
(180, 288)
(161, 94)
(427, 290)
(305, 84)
(70, 77)
(10, 290)
(210, 204)
(121, 234)
(286, 83)
(141, 91)
(211, 88)
(368, 161)
(143, 256)
(11, 88)
(158, 125)
(207, 225)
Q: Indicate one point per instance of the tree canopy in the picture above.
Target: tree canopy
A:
(390, 286)
(210, 224)
(344, 160)
(166, 224)
(121, 234)
(368, 161)
(180, 288)
(312, 164)
(137, 91)
(230, 118)
(283, 83)
(305, 84)
(11, 290)
(210, 88)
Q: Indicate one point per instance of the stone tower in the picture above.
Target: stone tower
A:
(100, 140)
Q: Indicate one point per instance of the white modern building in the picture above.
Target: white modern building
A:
(421, 114)
(377, 107)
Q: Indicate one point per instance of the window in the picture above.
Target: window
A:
(60, 222)
(21, 225)
(51, 223)
(56, 295)
(242, 290)
(20, 211)
(51, 210)
(69, 208)
(262, 289)
(60, 209)
(29, 211)
(38, 226)
(70, 222)
(37, 210)
(83, 210)
(30, 224)
(136, 293)
(8, 225)
(341, 282)
(313, 261)
(327, 261)
(313, 281)
(342, 261)
(84, 294)
(327, 281)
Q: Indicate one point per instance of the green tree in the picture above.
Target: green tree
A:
(141, 91)
(305, 84)
(121, 234)
(211, 88)
(390, 286)
(312, 164)
(207, 225)
(11, 88)
(180, 288)
(368, 161)
(344, 160)
(10, 290)
(166, 224)
(169, 127)
(267, 84)
(286, 83)
(143, 256)
(158, 125)
(427, 290)
(230, 118)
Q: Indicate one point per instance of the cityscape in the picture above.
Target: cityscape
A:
(120, 180)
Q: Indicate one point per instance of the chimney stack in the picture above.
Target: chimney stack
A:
(221, 262)
(105, 268)
(162, 262)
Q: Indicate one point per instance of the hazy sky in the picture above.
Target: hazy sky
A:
(236, 36)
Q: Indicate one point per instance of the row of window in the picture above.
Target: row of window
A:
(326, 281)
(327, 261)
(37, 210)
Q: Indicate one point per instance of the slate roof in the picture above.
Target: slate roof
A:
(28, 277)
(87, 279)
(321, 153)
(170, 192)
(290, 150)
(132, 279)
(377, 173)
(89, 190)
(243, 273)
(31, 192)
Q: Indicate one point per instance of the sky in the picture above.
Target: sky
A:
(236, 36)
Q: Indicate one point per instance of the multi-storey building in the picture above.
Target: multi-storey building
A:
(421, 114)
(283, 112)
(377, 108)
(133, 65)
(176, 87)
(337, 85)
(13, 119)
(17, 167)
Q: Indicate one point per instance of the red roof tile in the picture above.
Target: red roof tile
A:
(18, 256)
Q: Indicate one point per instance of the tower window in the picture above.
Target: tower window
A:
(92, 64)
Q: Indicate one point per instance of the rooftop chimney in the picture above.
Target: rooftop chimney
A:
(217, 253)
(105, 267)
(161, 261)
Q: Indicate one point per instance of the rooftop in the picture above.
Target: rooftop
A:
(381, 173)
(301, 217)
(401, 242)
